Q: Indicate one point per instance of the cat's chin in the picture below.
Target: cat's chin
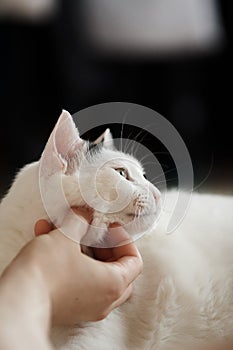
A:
(134, 226)
(140, 225)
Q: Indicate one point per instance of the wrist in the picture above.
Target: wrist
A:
(24, 303)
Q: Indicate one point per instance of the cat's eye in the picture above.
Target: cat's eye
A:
(123, 172)
(145, 176)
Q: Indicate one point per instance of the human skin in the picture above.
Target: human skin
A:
(52, 282)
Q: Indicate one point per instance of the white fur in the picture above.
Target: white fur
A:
(184, 294)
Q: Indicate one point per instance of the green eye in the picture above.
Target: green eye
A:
(123, 172)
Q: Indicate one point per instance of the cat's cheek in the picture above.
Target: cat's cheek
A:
(106, 188)
(71, 191)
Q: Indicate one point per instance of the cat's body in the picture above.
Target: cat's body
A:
(183, 296)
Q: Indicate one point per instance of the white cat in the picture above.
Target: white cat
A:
(185, 293)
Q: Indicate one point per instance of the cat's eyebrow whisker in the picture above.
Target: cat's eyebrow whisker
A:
(121, 137)
(127, 144)
(154, 153)
(137, 135)
(164, 173)
(122, 127)
(144, 157)
(170, 170)
(165, 181)
(148, 163)
(159, 176)
(143, 136)
(138, 141)
(130, 146)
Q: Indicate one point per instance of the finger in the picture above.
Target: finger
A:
(75, 225)
(125, 247)
(126, 250)
(128, 260)
(129, 268)
(127, 257)
(124, 297)
(87, 214)
(42, 227)
(103, 254)
(116, 236)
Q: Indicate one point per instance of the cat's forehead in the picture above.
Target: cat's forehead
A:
(118, 158)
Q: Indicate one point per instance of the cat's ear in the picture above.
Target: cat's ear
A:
(106, 139)
(64, 145)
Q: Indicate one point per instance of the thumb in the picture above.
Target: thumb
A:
(75, 224)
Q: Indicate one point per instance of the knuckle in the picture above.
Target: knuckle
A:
(114, 287)
(114, 292)
(124, 278)
(102, 315)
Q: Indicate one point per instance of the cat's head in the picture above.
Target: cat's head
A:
(97, 175)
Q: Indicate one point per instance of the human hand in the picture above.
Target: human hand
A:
(52, 280)
(81, 288)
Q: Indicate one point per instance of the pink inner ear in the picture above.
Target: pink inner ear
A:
(63, 142)
(100, 138)
(66, 136)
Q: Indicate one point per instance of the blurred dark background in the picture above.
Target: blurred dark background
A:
(51, 63)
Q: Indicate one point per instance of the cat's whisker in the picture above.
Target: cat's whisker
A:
(164, 173)
(169, 171)
(122, 127)
(138, 141)
(148, 163)
(144, 157)
(132, 143)
(137, 135)
(143, 136)
(127, 144)
(154, 154)
(165, 181)
(121, 137)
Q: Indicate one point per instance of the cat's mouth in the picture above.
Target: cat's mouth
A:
(134, 215)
